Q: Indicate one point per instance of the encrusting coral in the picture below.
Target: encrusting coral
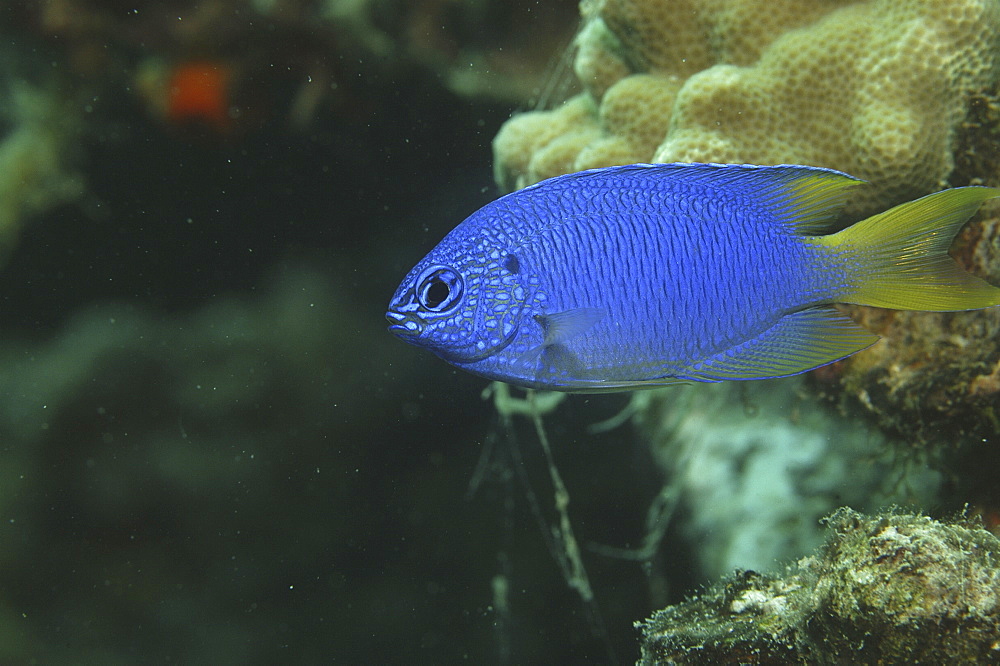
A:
(875, 88)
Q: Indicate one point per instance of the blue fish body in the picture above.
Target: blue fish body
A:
(644, 275)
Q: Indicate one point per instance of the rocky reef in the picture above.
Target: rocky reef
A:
(890, 589)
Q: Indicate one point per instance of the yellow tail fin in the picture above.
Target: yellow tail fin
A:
(901, 255)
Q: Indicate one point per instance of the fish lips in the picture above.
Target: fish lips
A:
(404, 326)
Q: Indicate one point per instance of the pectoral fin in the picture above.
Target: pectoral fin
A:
(560, 327)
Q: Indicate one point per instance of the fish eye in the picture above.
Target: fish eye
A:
(439, 289)
(435, 293)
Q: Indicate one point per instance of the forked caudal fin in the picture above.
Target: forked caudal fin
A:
(902, 259)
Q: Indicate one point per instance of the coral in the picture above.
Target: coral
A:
(888, 589)
(876, 89)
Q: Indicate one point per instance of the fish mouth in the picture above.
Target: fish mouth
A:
(403, 325)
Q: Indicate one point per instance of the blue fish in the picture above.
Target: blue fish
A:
(644, 275)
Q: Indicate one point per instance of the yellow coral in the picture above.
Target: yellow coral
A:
(875, 88)
(520, 145)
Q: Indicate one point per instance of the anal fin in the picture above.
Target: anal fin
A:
(800, 341)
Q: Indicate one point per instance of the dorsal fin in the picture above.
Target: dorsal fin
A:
(808, 199)
(805, 198)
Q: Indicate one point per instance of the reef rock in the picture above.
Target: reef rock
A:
(896, 589)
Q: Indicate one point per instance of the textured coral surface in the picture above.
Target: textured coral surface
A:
(876, 89)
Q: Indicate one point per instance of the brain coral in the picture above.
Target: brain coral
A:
(875, 88)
